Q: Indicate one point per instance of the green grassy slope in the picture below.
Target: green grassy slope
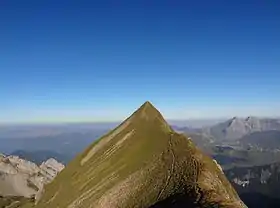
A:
(141, 163)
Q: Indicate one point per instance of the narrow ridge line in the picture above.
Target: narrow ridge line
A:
(172, 167)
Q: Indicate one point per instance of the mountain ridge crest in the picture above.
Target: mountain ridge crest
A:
(141, 163)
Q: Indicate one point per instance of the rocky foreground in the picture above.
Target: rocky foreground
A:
(19, 177)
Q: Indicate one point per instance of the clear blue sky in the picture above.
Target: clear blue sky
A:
(99, 60)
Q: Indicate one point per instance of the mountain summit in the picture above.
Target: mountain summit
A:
(236, 128)
(141, 163)
(147, 113)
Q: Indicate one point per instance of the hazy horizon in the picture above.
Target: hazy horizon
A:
(178, 122)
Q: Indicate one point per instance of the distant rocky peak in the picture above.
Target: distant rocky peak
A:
(51, 161)
(234, 118)
(236, 121)
(236, 127)
(54, 164)
(248, 122)
(250, 118)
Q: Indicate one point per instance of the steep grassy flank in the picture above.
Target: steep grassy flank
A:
(141, 163)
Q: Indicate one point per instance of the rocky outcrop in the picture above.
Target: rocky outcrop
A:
(51, 168)
(19, 177)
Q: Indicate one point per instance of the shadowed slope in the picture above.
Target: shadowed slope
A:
(141, 163)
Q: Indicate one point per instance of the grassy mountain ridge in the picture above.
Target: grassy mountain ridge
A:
(141, 163)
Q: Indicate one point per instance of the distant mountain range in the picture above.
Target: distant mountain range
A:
(246, 132)
(40, 156)
(68, 140)
(239, 141)
(67, 143)
(236, 128)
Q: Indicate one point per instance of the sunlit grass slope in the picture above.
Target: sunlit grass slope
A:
(141, 163)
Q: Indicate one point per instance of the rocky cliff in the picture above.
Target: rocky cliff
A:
(19, 177)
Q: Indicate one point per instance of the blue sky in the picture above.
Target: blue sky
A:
(100, 60)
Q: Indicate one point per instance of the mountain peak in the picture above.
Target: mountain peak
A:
(235, 121)
(251, 118)
(147, 113)
(235, 118)
(148, 103)
(141, 163)
(148, 109)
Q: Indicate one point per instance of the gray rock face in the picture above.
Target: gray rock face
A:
(51, 168)
(236, 128)
(20, 177)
